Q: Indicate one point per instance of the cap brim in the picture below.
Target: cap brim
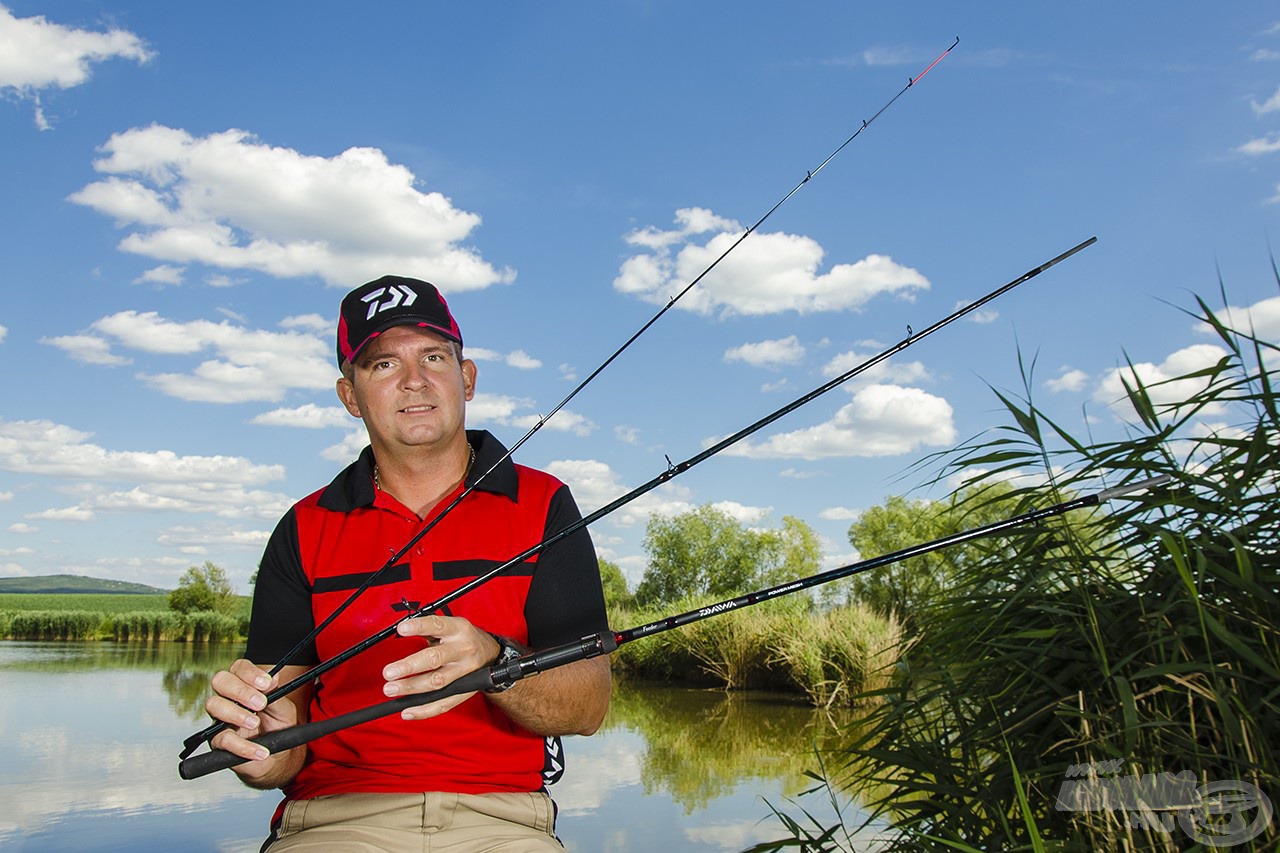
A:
(404, 320)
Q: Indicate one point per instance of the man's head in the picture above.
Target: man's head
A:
(403, 372)
(391, 301)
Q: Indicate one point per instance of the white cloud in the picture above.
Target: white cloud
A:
(163, 274)
(518, 359)
(771, 387)
(191, 498)
(251, 365)
(795, 474)
(594, 484)
(1270, 105)
(767, 274)
(56, 450)
(6, 496)
(742, 513)
(627, 434)
(314, 323)
(1266, 145)
(215, 536)
(1262, 318)
(1265, 55)
(880, 56)
(770, 354)
(840, 513)
(87, 349)
(888, 371)
(307, 416)
(22, 528)
(882, 420)
(1164, 391)
(36, 54)
(232, 202)
(563, 421)
(505, 410)
(348, 449)
(981, 316)
(1069, 380)
(70, 513)
(3, 332)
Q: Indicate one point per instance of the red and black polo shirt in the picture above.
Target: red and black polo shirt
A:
(328, 545)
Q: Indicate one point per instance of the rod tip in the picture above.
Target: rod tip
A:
(1140, 485)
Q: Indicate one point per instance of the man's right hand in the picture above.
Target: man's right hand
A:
(240, 700)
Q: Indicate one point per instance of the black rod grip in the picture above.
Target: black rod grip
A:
(285, 739)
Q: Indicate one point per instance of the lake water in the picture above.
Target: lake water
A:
(92, 732)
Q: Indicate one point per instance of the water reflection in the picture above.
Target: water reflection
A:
(93, 731)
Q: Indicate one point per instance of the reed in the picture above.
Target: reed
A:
(1148, 646)
(53, 625)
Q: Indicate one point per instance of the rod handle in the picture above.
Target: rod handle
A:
(285, 739)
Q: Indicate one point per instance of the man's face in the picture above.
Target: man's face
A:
(410, 390)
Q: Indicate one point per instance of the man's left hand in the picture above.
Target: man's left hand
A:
(456, 647)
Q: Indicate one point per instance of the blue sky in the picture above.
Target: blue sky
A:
(189, 190)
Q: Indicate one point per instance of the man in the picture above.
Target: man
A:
(467, 769)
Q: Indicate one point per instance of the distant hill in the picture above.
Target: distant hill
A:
(74, 583)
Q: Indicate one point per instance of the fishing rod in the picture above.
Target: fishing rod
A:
(192, 742)
(673, 470)
(605, 642)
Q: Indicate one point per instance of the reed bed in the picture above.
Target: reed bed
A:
(147, 626)
(829, 657)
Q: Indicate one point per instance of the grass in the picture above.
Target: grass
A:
(94, 602)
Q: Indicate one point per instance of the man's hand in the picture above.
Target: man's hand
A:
(240, 700)
(455, 648)
(570, 699)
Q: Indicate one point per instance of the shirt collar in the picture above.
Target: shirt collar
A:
(353, 487)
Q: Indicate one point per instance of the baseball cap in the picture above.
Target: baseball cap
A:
(392, 300)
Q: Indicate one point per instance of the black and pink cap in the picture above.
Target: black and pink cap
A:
(392, 300)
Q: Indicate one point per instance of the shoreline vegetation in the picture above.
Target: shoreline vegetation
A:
(824, 656)
(112, 616)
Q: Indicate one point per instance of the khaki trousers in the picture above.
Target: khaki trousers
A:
(422, 823)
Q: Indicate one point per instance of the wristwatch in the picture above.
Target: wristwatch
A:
(508, 651)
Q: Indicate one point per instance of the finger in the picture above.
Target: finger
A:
(424, 626)
(251, 673)
(225, 711)
(427, 660)
(234, 688)
(238, 745)
(435, 709)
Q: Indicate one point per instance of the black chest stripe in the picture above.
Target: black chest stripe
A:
(338, 583)
(452, 570)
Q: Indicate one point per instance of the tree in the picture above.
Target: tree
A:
(616, 593)
(906, 588)
(800, 553)
(205, 588)
(707, 552)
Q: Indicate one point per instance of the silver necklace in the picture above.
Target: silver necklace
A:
(471, 460)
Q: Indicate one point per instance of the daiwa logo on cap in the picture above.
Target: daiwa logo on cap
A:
(397, 295)
(392, 300)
